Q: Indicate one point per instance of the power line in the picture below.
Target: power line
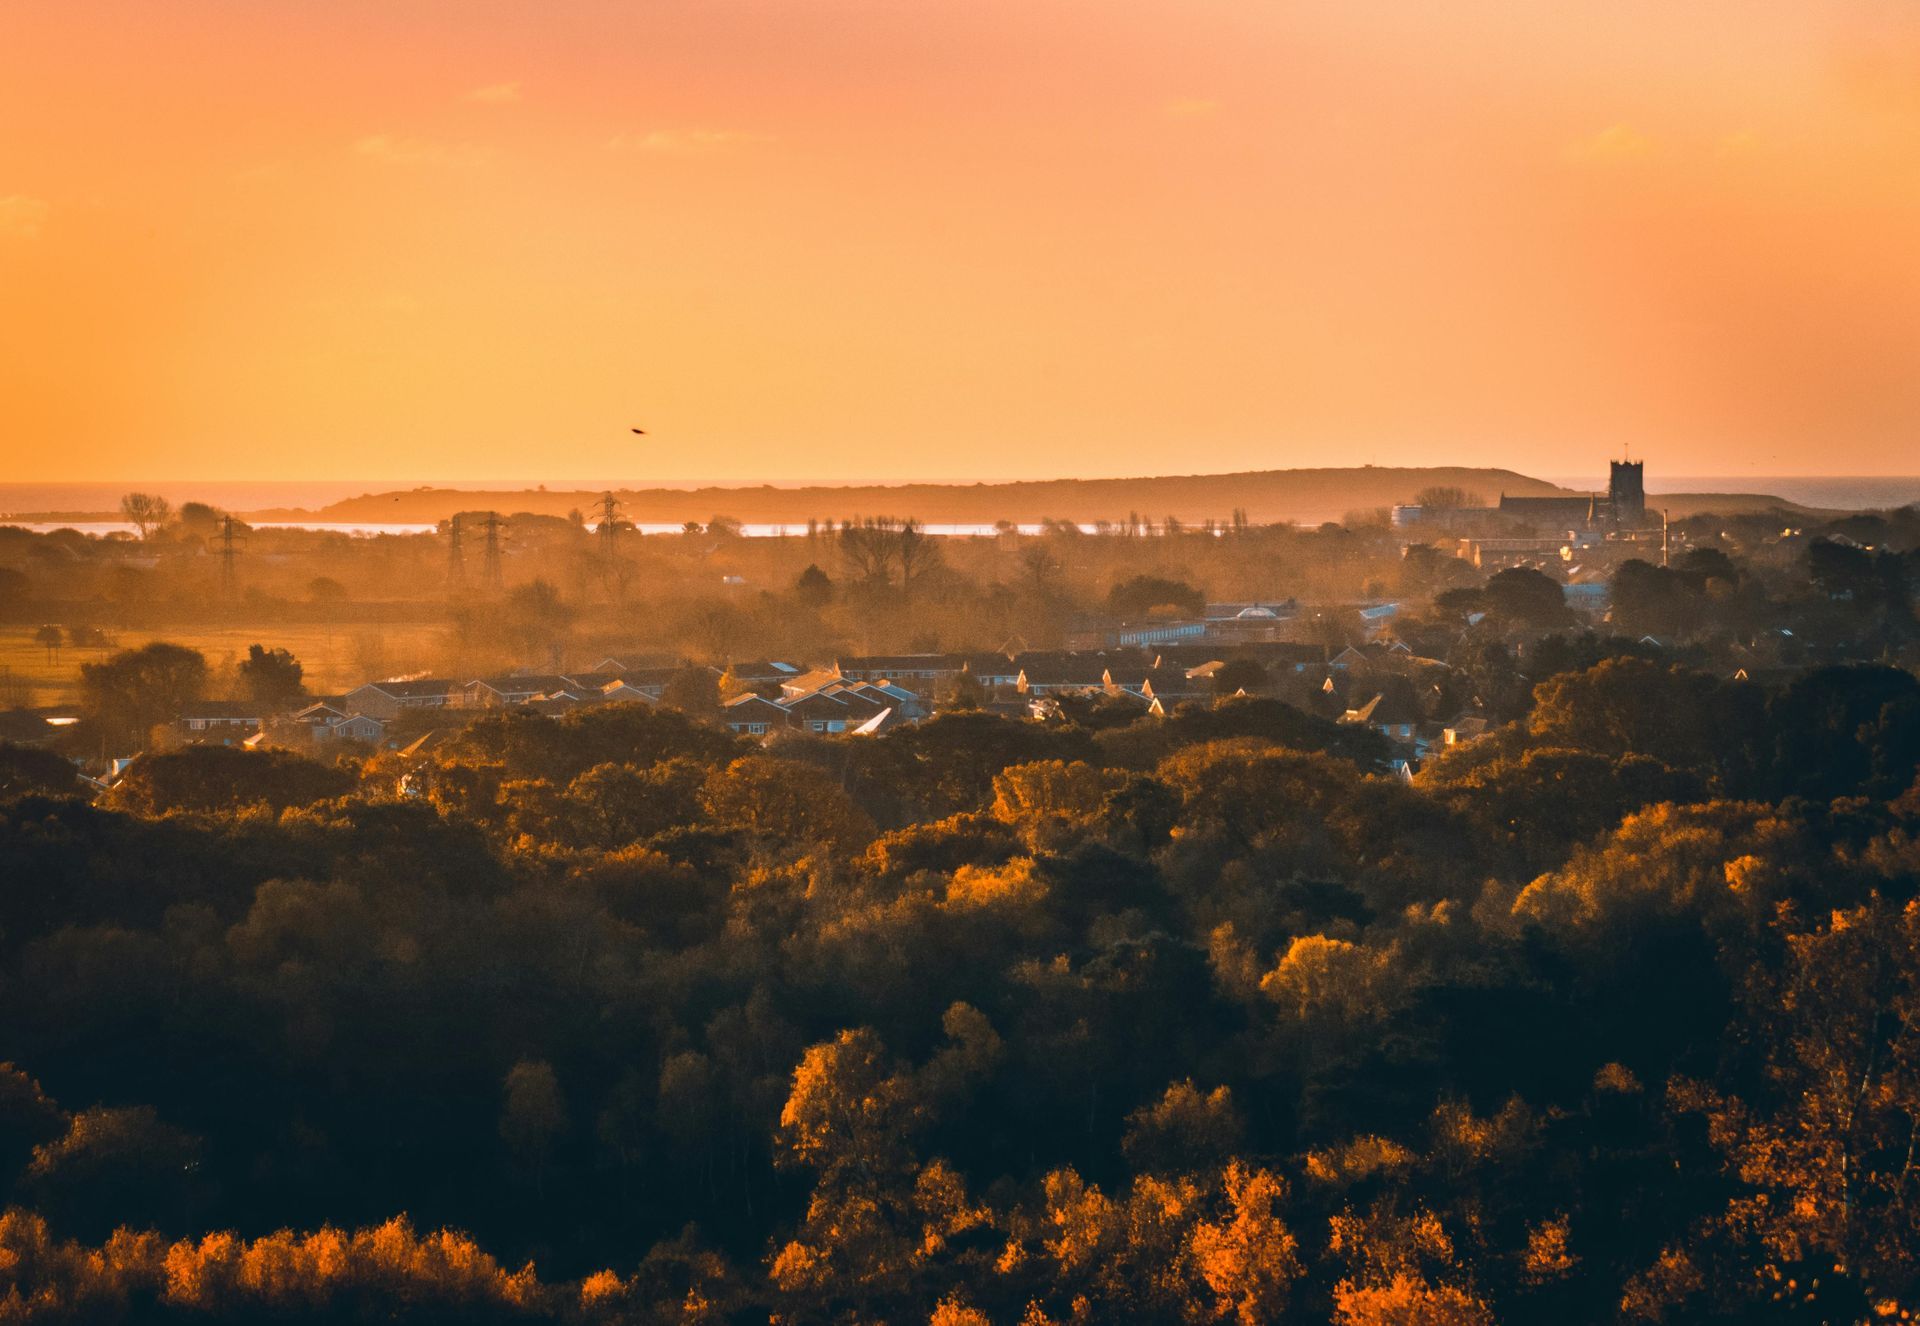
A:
(456, 557)
(228, 539)
(609, 527)
(493, 527)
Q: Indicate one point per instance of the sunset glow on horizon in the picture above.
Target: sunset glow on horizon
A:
(875, 240)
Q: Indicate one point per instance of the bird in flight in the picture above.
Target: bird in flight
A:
(641, 431)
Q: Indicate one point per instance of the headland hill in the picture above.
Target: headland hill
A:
(1302, 496)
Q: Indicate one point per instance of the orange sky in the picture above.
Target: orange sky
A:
(858, 239)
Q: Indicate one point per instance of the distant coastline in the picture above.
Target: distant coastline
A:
(1858, 492)
(1308, 495)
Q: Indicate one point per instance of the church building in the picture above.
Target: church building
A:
(1622, 507)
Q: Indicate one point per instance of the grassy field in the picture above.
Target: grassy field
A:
(335, 659)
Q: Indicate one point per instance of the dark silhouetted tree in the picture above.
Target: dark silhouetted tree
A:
(813, 587)
(147, 512)
(126, 696)
(272, 676)
(1143, 595)
(1527, 598)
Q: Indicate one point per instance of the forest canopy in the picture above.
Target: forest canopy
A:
(1611, 1015)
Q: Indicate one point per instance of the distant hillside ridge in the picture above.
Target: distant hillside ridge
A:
(1309, 496)
(1679, 506)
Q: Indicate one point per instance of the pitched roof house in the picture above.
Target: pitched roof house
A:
(992, 671)
(759, 671)
(652, 682)
(387, 699)
(1391, 713)
(622, 692)
(806, 683)
(862, 702)
(222, 721)
(1051, 674)
(915, 672)
(818, 711)
(753, 716)
(1166, 684)
(908, 705)
(1464, 730)
(491, 692)
(352, 727)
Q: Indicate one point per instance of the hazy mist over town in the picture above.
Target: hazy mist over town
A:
(969, 663)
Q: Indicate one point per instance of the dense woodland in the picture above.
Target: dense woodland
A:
(1612, 1015)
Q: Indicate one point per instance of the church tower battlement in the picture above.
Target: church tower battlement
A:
(1626, 492)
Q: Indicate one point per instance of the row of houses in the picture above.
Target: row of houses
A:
(606, 682)
(776, 695)
(1230, 626)
(859, 694)
(1051, 671)
(367, 711)
(825, 700)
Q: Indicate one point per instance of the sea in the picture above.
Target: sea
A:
(32, 501)
(372, 529)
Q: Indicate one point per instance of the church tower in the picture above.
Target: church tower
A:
(1626, 492)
